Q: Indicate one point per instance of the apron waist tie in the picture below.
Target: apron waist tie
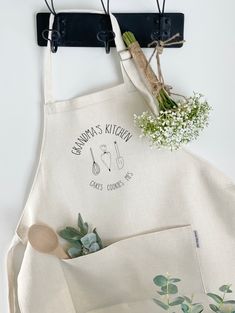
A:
(12, 291)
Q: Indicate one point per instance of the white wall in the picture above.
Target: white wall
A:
(205, 64)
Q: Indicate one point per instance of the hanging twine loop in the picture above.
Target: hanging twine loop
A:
(159, 46)
(154, 82)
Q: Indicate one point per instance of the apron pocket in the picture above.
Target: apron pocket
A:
(122, 273)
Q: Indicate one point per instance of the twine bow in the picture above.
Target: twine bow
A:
(159, 46)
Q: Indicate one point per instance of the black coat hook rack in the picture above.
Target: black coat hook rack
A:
(75, 29)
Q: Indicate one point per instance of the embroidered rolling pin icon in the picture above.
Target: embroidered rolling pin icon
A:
(95, 166)
(106, 157)
(119, 159)
(43, 239)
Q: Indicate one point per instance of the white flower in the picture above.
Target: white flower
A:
(173, 128)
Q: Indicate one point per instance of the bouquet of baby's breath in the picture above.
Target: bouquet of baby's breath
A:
(178, 121)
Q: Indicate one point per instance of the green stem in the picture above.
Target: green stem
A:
(167, 289)
(190, 305)
(221, 303)
(129, 38)
(165, 101)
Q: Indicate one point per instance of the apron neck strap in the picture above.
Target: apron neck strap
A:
(125, 57)
(48, 88)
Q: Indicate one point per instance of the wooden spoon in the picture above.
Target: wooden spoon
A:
(43, 239)
(119, 159)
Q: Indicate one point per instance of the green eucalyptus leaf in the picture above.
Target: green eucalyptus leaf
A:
(82, 226)
(160, 280)
(94, 247)
(188, 299)
(80, 220)
(215, 297)
(214, 307)
(86, 226)
(70, 233)
(88, 240)
(170, 289)
(74, 252)
(161, 304)
(198, 308)
(185, 308)
(99, 241)
(224, 288)
(174, 280)
(75, 243)
(177, 301)
(162, 293)
(229, 302)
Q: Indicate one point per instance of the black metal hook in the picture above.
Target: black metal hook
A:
(51, 8)
(55, 36)
(106, 36)
(161, 11)
(164, 24)
(106, 9)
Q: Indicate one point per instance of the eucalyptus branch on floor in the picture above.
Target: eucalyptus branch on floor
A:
(179, 121)
(171, 300)
(82, 240)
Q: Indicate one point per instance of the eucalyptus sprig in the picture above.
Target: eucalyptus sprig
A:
(82, 240)
(178, 121)
(168, 289)
(222, 305)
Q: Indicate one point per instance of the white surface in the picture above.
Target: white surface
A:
(205, 64)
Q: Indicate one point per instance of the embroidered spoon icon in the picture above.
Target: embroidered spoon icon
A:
(95, 166)
(43, 239)
(119, 159)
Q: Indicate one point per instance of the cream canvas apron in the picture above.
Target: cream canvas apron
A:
(156, 211)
